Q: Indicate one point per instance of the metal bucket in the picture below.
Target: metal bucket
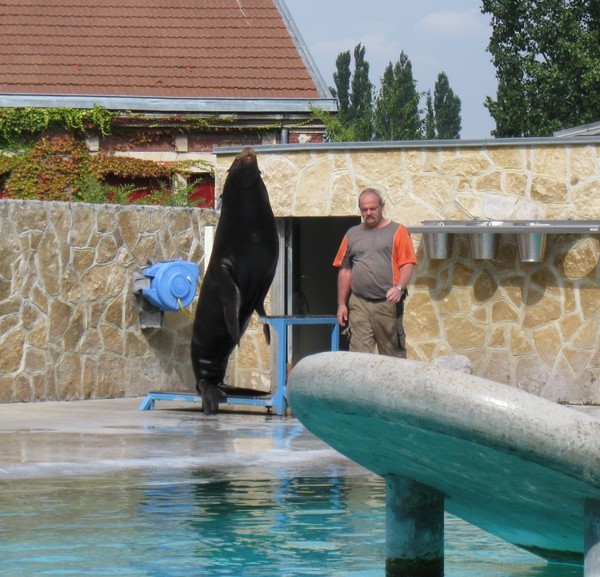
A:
(484, 245)
(438, 245)
(532, 246)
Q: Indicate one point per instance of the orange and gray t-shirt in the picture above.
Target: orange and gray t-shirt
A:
(375, 257)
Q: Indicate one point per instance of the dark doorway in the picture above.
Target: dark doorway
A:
(315, 242)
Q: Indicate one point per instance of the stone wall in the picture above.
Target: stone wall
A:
(69, 326)
(531, 325)
(69, 320)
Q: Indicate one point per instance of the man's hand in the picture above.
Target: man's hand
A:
(396, 294)
(342, 315)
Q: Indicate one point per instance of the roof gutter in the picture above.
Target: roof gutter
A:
(151, 104)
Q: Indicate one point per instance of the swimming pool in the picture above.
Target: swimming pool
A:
(190, 522)
(171, 493)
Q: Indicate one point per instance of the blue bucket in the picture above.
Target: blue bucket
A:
(172, 284)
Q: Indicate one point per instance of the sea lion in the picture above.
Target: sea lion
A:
(238, 276)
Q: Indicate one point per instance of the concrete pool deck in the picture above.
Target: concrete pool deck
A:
(57, 438)
(95, 436)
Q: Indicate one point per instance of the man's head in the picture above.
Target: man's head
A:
(370, 203)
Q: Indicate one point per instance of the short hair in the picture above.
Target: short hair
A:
(372, 191)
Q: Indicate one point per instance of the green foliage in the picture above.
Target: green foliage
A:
(341, 79)
(361, 105)
(336, 130)
(547, 59)
(446, 107)
(63, 169)
(165, 196)
(8, 162)
(396, 112)
(429, 122)
(397, 115)
(93, 191)
(49, 171)
(20, 126)
(354, 94)
(104, 164)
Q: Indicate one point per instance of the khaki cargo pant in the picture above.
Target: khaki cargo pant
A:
(376, 326)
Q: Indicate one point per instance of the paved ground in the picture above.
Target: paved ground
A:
(90, 437)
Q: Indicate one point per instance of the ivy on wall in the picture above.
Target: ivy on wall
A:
(34, 165)
(20, 126)
(63, 169)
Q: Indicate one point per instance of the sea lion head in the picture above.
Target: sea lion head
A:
(244, 171)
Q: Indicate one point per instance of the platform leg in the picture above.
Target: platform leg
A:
(147, 404)
(591, 542)
(335, 337)
(281, 394)
(414, 529)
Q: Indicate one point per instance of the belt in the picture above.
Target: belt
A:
(371, 300)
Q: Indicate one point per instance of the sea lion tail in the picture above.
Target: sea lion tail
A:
(260, 309)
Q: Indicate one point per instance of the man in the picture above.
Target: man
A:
(376, 261)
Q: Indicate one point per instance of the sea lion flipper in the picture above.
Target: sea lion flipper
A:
(211, 395)
(231, 298)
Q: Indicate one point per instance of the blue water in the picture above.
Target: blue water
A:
(187, 523)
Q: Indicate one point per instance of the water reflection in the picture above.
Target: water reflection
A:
(165, 523)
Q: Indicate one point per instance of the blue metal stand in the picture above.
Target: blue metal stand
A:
(281, 324)
(279, 399)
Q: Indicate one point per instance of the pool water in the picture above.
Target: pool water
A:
(187, 522)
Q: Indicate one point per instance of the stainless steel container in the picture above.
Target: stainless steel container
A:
(484, 245)
(438, 245)
(532, 246)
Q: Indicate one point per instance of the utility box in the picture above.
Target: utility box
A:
(171, 285)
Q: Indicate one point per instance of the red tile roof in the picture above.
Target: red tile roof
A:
(151, 48)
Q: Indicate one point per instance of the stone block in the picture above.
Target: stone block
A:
(12, 350)
(68, 377)
(461, 333)
(581, 259)
(377, 165)
(549, 190)
(467, 165)
(550, 161)
(509, 157)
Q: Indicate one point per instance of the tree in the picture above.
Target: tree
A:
(429, 122)
(354, 94)
(446, 107)
(397, 115)
(341, 79)
(547, 59)
(361, 107)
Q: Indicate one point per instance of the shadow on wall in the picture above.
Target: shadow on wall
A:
(573, 261)
(171, 347)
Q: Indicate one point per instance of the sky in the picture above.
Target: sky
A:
(448, 36)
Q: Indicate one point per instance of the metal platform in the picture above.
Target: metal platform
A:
(276, 400)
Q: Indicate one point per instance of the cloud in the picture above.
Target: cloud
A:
(380, 50)
(454, 24)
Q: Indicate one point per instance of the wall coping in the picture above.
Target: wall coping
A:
(412, 144)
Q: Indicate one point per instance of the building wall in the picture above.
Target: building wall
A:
(531, 325)
(69, 326)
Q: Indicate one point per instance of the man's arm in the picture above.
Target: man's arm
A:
(344, 281)
(397, 293)
(405, 274)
